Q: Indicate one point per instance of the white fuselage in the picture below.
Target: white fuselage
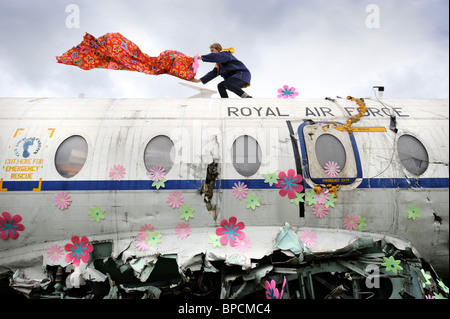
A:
(374, 183)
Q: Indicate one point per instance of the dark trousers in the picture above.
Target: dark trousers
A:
(235, 85)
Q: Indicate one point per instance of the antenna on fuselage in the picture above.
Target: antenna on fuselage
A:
(204, 93)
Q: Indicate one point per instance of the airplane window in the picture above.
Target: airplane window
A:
(246, 155)
(329, 148)
(412, 153)
(71, 156)
(160, 151)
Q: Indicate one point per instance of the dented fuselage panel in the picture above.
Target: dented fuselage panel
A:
(168, 198)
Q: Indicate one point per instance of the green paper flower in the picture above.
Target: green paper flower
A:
(311, 198)
(252, 201)
(186, 212)
(443, 286)
(391, 264)
(270, 178)
(438, 296)
(153, 238)
(361, 224)
(330, 202)
(298, 198)
(426, 276)
(413, 212)
(160, 183)
(97, 214)
(215, 241)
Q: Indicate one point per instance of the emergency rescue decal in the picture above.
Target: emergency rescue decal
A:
(25, 161)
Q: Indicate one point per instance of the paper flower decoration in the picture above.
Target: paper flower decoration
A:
(243, 245)
(308, 238)
(159, 183)
(10, 226)
(195, 65)
(78, 250)
(331, 200)
(55, 252)
(270, 178)
(117, 172)
(351, 222)
(320, 210)
(443, 286)
(361, 223)
(287, 92)
(252, 201)
(62, 200)
(239, 190)
(299, 197)
(323, 196)
(145, 230)
(426, 276)
(175, 199)
(311, 198)
(272, 291)
(183, 230)
(413, 212)
(391, 264)
(230, 230)
(157, 173)
(332, 169)
(289, 183)
(186, 212)
(97, 214)
(150, 238)
(214, 240)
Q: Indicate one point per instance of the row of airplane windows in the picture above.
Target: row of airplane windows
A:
(246, 154)
(72, 153)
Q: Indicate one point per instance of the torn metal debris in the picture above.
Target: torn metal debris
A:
(358, 270)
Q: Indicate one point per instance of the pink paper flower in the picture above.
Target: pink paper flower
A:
(157, 173)
(320, 210)
(289, 183)
(272, 291)
(142, 244)
(351, 222)
(308, 238)
(240, 190)
(145, 230)
(323, 196)
(62, 200)
(287, 92)
(332, 169)
(9, 226)
(117, 172)
(183, 230)
(55, 252)
(78, 250)
(230, 230)
(175, 199)
(243, 245)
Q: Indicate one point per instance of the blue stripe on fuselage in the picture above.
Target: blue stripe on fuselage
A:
(105, 185)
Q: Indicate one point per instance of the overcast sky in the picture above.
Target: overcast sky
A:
(322, 48)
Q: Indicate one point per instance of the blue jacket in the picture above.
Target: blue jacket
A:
(229, 66)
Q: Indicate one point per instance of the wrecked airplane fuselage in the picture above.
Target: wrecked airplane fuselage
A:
(368, 267)
(185, 199)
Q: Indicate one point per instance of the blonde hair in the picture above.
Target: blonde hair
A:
(216, 46)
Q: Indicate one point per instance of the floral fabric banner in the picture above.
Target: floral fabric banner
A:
(114, 51)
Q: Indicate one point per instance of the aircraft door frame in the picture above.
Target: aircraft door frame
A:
(308, 134)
